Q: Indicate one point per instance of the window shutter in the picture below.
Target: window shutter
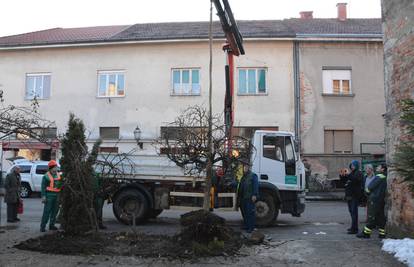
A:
(343, 141)
(329, 141)
(109, 132)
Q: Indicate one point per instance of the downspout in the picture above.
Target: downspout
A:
(296, 84)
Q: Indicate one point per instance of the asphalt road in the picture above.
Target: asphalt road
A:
(318, 238)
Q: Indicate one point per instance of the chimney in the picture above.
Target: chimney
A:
(306, 14)
(341, 11)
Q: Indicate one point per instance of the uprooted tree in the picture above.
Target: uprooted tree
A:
(185, 142)
(77, 165)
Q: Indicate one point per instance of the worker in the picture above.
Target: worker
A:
(12, 198)
(99, 200)
(249, 192)
(376, 191)
(353, 192)
(50, 189)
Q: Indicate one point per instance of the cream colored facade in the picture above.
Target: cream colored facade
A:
(148, 101)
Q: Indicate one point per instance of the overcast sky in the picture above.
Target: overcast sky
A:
(19, 16)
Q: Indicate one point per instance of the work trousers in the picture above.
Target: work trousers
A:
(98, 206)
(11, 211)
(249, 214)
(353, 211)
(50, 210)
(376, 215)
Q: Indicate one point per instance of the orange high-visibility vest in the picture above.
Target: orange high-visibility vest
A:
(51, 187)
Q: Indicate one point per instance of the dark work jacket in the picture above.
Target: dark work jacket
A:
(353, 184)
(377, 189)
(249, 186)
(12, 186)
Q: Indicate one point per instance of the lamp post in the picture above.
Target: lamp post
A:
(137, 136)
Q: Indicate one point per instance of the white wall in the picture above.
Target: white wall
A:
(148, 102)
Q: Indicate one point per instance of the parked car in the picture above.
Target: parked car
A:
(31, 173)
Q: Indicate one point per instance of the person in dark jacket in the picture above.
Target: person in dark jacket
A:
(376, 191)
(249, 192)
(353, 193)
(99, 200)
(12, 197)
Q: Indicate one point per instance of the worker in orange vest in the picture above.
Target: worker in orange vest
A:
(51, 186)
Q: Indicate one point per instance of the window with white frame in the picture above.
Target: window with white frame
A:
(186, 81)
(337, 82)
(111, 83)
(252, 81)
(38, 85)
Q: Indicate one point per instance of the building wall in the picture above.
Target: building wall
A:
(398, 25)
(148, 101)
(361, 112)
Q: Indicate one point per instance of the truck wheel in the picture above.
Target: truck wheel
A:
(154, 213)
(266, 210)
(25, 190)
(131, 203)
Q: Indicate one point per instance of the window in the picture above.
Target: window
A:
(24, 168)
(175, 133)
(111, 84)
(38, 86)
(41, 169)
(109, 132)
(337, 82)
(46, 133)
(338, 141)
(186, 82)
(248, 131)
(273, 147)
(252, 81)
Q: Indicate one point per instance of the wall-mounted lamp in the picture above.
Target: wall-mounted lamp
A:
(137, 136)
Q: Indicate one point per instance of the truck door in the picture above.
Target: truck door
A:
(272, 162)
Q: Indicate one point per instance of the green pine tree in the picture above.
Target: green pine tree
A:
(404, 156)
(77, 196)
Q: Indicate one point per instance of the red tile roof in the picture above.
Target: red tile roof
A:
(63, 35)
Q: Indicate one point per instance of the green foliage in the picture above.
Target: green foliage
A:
(404, 156)
(77, 167)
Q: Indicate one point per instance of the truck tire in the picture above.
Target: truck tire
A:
(266, 210)
(25, 190)
(154, 213)
(128, 203)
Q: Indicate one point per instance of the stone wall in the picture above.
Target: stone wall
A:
(398, 27)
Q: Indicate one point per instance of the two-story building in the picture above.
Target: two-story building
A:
(321, 78)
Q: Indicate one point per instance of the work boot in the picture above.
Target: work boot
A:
(352, 232)
(53, 228)
(381, 233)
(362, 234)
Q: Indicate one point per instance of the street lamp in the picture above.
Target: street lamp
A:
(137, 136)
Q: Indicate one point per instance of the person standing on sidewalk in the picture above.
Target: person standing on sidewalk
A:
(376, 191)
(249, 193)
(353, 193)
(51, 186)
(12, 197)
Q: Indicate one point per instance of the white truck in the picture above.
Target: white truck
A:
(145, 193)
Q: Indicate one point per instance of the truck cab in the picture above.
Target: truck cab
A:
(281, 175)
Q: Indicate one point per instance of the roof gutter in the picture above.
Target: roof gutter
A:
(299, 37)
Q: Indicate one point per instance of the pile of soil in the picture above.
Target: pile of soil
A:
(203, 234)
